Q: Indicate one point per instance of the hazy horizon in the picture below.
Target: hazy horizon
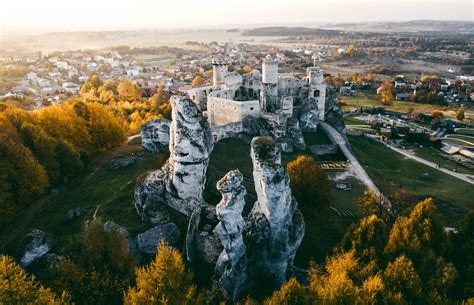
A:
(33, 17)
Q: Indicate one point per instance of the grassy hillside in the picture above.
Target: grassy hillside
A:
(390, 171)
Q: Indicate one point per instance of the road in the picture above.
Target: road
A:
(410, 155)
(338, 139)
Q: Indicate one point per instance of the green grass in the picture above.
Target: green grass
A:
(350, 120)
(467, 132)
(391, 170)
(457, 142)
(110, 191)
(318, 137)
(432, 154)
(462, 137)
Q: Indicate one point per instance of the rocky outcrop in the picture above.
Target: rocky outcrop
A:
(121, 162)
(294, 131)
(309, 116)
(131, 243)
(35, 245)
(148, 240)
(182, 178)
(155, 135)
(231, 266)
(334, 115)
(275, 227)
(72, 214)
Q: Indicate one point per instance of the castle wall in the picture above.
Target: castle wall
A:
(199, 96)
(232, 81)
(269, 71)
(317, 88)
(226, 131)
(220, 70)
(288, 85)
(222, 111)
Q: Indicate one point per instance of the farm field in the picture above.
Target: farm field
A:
(350, 103)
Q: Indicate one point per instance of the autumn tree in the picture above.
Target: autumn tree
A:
(437, 114)
(93, 82)
(105, 129)
(164, 281)
(460, 114)
(367, 239)
(370, 203)
(22, 177)
(99, 269)
(18, 287)
(128, 91)
(198, 81)
(421, 238)
(309, 182)
(386, 93)
(291, 292)
(403, 280)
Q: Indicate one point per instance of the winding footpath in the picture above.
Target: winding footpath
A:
(338, 139)
(464, 177)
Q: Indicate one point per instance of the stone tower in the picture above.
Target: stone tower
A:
(219, 70)
(269, 92)
(317, 88)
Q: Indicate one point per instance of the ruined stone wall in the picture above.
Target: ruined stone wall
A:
(199, 96)
(269, 71)
(226, 131)
(232, 81)
(252, 80)
(221, 111)
(288, 85)
(219, 69)
(317, 89)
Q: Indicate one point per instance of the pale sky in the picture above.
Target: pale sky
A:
(65, 15)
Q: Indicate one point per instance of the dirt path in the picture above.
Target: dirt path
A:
(356, 167)
(464, 177)
(12, 232)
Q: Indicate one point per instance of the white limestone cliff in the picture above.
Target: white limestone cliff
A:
(275, 227)
(180, 182)
(155, 135)
(231, 266)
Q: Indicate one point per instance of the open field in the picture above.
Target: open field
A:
(391, 171)
(458, 142)
(362, 100)
(432, 154)
(465, 131)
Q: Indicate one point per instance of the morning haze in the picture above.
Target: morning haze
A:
(236, 152)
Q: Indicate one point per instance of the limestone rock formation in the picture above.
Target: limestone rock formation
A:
(231, 265)
(275, 227)
(155, 135)
(183, 176)
(121, 162)
(334, 115)
(34, 245)
(294, 131)
(148, 240)
(309, 115)
(131, 246)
